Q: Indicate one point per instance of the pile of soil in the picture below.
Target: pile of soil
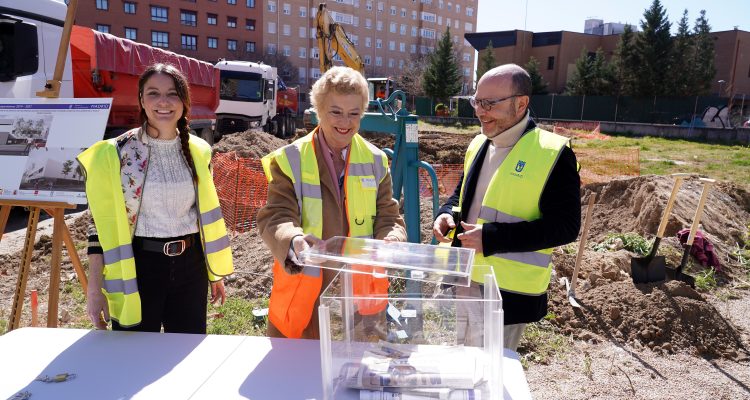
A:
(434, 147)
(252, 143)
(665, 317)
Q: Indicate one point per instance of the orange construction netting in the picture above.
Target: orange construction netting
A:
(243, 189)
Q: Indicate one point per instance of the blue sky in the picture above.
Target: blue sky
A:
(569, 15)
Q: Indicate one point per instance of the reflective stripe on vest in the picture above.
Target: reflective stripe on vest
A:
(293, 296)
(101, 164)
(513, 196)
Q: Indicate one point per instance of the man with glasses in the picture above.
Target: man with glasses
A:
(518, 198)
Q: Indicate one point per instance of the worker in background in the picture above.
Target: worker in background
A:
(517, 199)
(159, 236)
(331, 182)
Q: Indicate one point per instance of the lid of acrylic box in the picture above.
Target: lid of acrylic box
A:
(404, 260)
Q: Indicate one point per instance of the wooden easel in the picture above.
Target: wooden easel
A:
(60, 234)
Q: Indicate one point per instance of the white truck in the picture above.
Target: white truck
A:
(251, 96)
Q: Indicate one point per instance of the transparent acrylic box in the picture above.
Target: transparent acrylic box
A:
(403, 317)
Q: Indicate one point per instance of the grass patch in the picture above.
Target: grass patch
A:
(705, 280)
(630, 241)
(541, 342)
(77, 310)
(452, 128)
(3, 326)
(661, 156)
(236, 317)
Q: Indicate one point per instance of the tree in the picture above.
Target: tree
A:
(442, 78)
(704, 68)
(593, 75)
(625, 63)
(538, 85)
(410, 79)
(653, 47)
(486, 61)
(67, 167)
(286, 70)
(682, 82)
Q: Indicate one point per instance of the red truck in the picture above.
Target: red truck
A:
(104, 65)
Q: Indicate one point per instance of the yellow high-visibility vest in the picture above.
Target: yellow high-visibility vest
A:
(512, 196)
(101, 164)
(293, 296)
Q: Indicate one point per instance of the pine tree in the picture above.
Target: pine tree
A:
(683, 78)
(703, 61)
(593, 75)
(442, 78)
(625, 63)
(653, 47)
(486, 61)
(538, 85)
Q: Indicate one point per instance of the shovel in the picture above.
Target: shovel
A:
(676, 274)
(651, 268)
(571, 288)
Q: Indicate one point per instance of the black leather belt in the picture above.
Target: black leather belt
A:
(170, 248)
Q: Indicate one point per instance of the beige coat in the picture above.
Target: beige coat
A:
(279, 221)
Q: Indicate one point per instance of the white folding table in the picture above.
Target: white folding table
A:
(136, 365)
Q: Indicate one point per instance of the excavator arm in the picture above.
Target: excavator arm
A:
(332, 41)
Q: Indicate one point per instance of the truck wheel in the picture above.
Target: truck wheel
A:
(291, 129)
(282, 126)
(208, 136)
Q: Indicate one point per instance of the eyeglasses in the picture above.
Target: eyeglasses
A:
(487, 104)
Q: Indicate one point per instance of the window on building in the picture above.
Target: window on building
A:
(458, 8)
(271, 6)
(379, 25)
(303, 12)
(550, 63)
(367, 60)
(102, 4)
(391, 63)
(231, 22)
(231, 44)
(315, 73)
(368, 5)
(271, 48)
(233, 3)
(378, 61)
(468, 27)
(159, 14)
(393, 10)
(189, 18)
(213, 43)
(287, 51)
(302, 31)
(368, 23)
(302, 74)
(400, 64)
(392, 45)
(403, 30)
(393, 27)
(160, 39)
(402, 47)
(103, 28)
(249, 24)
(128, 7)
(189, 42)
(414, 31)
(131, 33)
(287, 10)
(211, 19)
(413, 48)
(414, 15)
(378, 44)
(403, 13)
(250, 47)
(368, 42)
(286, 30)
(467, 57)
(380, 6)
(271, 27)
(469, 12)
(250, 4)
(302, 52)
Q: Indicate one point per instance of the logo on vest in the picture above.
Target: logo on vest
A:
(519, 167)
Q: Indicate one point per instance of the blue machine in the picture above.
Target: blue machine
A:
(404, 156)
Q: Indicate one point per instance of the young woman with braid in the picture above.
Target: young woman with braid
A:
(159, 237)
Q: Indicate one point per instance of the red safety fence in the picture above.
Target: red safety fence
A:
(243, 189)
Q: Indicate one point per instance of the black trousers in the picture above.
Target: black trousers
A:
(173, 290)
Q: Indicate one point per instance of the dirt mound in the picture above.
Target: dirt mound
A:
(667, 318)
(637, 204)
(434, 147)
(253, 143)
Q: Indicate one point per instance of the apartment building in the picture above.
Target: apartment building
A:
(203, 29)
(557, 52)
(386, 33)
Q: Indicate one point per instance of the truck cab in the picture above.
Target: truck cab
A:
(30, 32)
(247, 96)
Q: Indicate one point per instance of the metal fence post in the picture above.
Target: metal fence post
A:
(583, 105)
(552, 106)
